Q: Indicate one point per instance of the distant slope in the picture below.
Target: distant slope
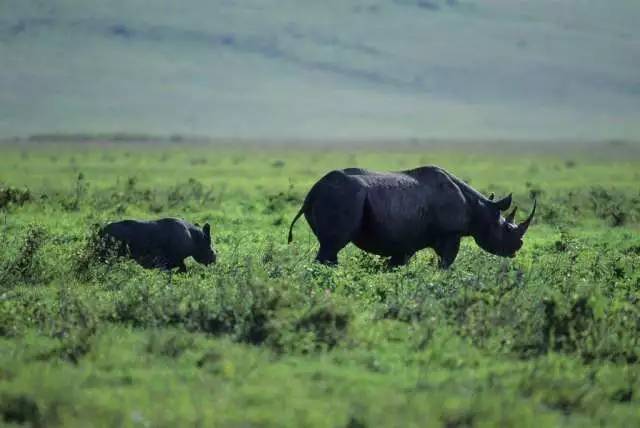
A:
(337, 68)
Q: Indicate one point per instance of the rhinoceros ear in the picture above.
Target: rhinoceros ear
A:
(207, 230)
(491, 196)
(504, 203)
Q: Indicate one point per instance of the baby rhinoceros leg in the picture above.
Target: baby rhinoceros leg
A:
(169, 264)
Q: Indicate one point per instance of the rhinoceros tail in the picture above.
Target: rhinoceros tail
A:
(294, 222)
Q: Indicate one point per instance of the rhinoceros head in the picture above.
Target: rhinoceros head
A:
(204, 252)
(497, 234)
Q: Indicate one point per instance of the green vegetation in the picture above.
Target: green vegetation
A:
(268, 338)
(336, 68)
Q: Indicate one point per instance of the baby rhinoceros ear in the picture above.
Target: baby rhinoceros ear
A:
(207, 231)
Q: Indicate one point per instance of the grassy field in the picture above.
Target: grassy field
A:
(298, 68)
(268, 338)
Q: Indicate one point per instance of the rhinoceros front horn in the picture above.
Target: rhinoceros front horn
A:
(522, 227)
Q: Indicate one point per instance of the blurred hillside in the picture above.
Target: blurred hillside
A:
(541, 69)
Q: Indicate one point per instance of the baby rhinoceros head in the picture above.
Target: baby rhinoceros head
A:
(204, 252)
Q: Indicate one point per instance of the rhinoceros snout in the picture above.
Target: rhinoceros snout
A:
(210, 260)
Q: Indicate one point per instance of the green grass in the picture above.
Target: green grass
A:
(268, 338)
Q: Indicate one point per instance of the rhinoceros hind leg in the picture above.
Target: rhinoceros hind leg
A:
(328, 255)
(332, 243)
(336, 215)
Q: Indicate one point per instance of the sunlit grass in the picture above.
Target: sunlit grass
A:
(267, 337)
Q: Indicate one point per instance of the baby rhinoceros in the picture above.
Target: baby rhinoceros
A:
(163, 243)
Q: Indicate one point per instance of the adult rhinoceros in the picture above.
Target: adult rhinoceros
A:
(395, 214)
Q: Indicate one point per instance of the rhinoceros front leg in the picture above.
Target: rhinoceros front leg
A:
(447, 250)
(399, 260)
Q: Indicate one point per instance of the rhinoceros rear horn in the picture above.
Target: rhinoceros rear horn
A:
(504, 203)
(512, 215)
(522, 227)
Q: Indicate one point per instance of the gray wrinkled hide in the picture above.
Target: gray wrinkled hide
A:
(163, 243)
(395, 214)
